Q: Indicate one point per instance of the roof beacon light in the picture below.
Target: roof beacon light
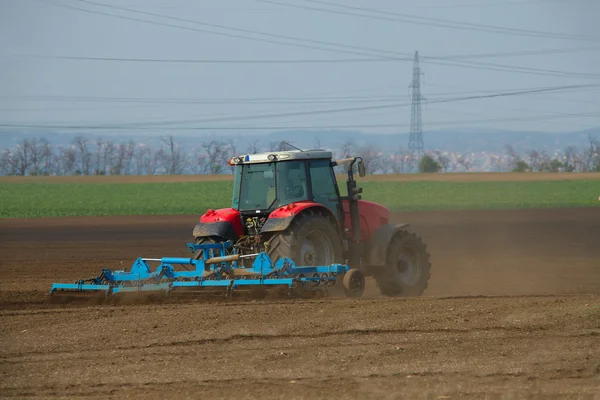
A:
(272, 157)
(235, 160)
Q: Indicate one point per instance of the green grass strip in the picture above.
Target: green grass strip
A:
(25, 200)
(422, 196)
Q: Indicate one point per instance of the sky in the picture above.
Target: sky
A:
(261, 65)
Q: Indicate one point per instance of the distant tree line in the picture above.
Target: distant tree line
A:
(571, 160)
(106, 157)
(101, 156)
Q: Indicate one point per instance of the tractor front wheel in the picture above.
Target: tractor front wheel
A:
(310, 240)
(205, 240)
(407, 267)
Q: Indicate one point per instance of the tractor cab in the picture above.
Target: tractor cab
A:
(265, 182)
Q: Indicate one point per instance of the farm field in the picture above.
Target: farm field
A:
(30, 197)
(512, 309)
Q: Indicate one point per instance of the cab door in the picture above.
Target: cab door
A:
(323, 187)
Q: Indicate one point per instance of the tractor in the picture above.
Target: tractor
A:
(289, 204)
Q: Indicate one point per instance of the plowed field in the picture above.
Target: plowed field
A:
(512, 311)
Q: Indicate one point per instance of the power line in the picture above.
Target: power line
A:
(502, 29)
(214, 61)
(512, 68)
(351, 109)
(307, 99)
(436, 22)
(349, 99)
(517, 53)
(246, 31)
(338, 110)
(535, 118)
(500, 3)
(164, 24)
(302, 61)
(160, 100)
(389, 54)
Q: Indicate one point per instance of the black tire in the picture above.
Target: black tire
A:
(407, 267)
(317, 232)
(354, 283)
(201, 240)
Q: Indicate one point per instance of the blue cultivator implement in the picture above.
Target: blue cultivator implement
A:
(219, 272)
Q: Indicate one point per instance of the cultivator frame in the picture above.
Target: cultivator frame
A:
(221, 271)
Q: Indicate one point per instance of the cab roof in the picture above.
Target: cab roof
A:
(274, 156)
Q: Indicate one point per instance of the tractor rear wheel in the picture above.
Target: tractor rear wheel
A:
(407, 267)
(311, 239)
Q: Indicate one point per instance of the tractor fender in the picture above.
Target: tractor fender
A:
(224, 223)
(378, 244)
(224, 230)
(281, 218)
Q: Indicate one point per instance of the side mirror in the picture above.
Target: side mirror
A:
(361, 168)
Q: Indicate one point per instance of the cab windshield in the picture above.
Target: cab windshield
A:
(264, 187)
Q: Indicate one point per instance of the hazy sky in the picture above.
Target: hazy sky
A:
(551, 43)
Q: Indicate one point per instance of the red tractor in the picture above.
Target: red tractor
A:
(289, 204)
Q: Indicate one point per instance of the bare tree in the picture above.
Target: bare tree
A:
(22, 160)
(123, 158)
(117, 161)
(173, 158)
(66, 160)
(29, 157)
(535, 160)
(211, 157)
(348, 149)
(372, 159)
(513, 157)
(229, 151)
(100, 169)
(317, 143)
(595, 164)
(146, 160)
(399, 161)
(569, 159)
(549, 164)
(444, 161)
(53, 162)
(590, 155)
(200, 162)
(8, 163)
(49, 164)
(84, 156)
(253, 147)
(108, 156)
(40, 152)
(497, 164)
(465, 162)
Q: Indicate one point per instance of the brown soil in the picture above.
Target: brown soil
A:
(512, 309)
(445, 177)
